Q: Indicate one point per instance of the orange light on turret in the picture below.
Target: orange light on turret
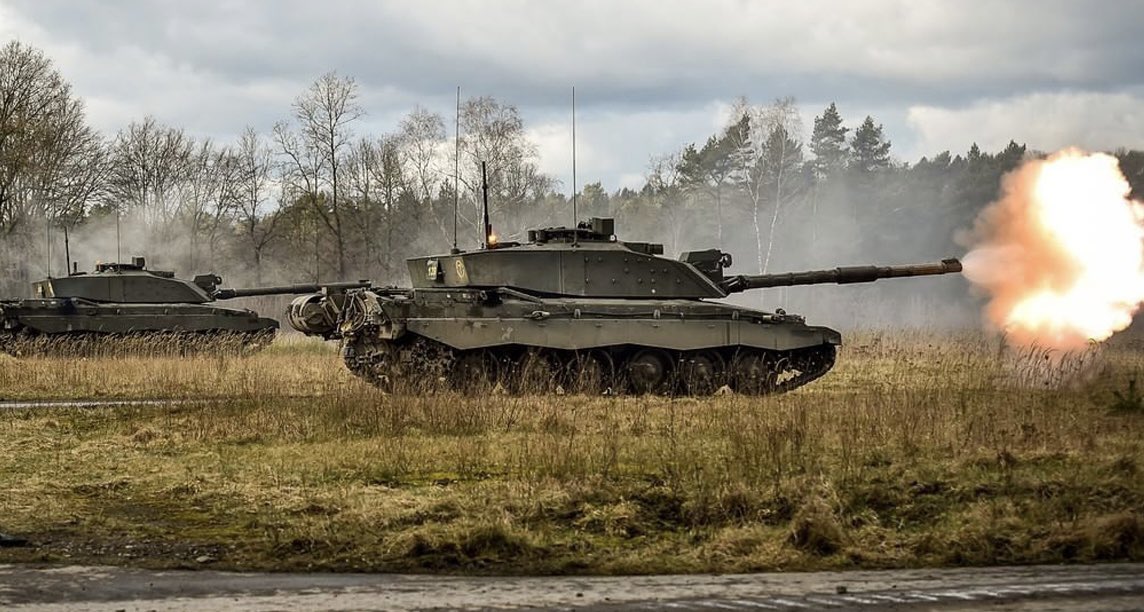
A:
(492, 240)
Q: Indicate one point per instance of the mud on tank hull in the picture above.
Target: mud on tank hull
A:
(69, 325)
(471, 340)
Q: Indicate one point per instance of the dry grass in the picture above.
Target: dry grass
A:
(293, 366)
(917, 450)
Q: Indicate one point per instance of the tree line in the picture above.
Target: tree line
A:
(315, 199)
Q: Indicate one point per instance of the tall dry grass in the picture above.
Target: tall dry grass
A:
(916, 450)
(146, 368)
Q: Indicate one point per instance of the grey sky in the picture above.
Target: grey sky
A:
(650, 76)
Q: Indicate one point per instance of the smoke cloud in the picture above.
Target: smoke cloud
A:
(1061, 253)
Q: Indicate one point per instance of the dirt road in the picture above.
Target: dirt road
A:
(1079, 588)
(94, 403)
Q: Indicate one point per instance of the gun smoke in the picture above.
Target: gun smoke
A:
(1061, 253)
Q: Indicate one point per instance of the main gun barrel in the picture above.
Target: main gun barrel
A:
(842, 275)
(226, 294)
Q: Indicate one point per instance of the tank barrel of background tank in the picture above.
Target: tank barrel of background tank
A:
(226, 294)
(842, 276)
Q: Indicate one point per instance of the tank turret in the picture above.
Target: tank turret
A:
(586, 306)
(586, 261)
(589, 261)
(133, 283)
(127, 283)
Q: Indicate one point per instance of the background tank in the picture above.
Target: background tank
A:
(128, 300)
(578, 308)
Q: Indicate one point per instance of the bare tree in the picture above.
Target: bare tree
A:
(421, 141)
(493, 133)
(376, 185)
(254, 184)
(149, 165)
(314, 155)
(51, 162)
(366, 213)
(665, 189)
(209, 197)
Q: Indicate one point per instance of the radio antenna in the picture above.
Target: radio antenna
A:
(456, 166)
(118, 254)
(575, 217)
(488, 228)
(67, 250)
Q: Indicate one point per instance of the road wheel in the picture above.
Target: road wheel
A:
(536, 372)
(476, 372)
(591, 373)
(648, 371)
(750, 373)
(702, 372)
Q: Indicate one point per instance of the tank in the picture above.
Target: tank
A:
(579, 310)
(128, 300)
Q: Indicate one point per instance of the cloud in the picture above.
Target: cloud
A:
(650, 72)
(634, 50)
(607, 141)
(1045, 121)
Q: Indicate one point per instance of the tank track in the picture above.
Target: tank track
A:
(423, 365)
(29, 344)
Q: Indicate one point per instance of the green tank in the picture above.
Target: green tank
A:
(580, 310)
(122, 300)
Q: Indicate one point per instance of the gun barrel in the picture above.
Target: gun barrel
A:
(842, 275)
(226, 294)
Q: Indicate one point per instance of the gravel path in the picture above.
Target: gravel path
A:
(91, 403)
(1078, 588)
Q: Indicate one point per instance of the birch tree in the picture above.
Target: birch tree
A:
(766, 162)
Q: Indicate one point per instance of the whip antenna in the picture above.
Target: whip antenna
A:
(456, 166)
(575, 217)
(67, 250)
(488, 227)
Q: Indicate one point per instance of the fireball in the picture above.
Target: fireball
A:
(1061, 254)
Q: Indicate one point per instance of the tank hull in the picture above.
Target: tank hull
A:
(30, 325)
(461, 337)
(580, 325)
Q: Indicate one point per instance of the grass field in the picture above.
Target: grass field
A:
(917, 450)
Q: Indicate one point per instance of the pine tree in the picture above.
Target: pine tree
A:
(1011, 157)
(691, 167)
(974, 156)
(828, 143)
(869, 150)
(718, 164)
